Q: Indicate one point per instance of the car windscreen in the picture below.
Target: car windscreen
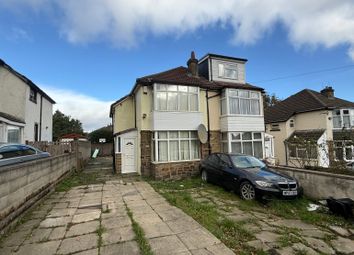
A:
(243, 161)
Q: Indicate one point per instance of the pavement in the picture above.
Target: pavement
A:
(93, 219)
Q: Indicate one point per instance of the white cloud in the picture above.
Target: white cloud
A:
(92, 112)
(325, 23)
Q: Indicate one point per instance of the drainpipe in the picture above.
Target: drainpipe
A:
(208, 118)
(286, 153)
(114, 149)
(40, 119)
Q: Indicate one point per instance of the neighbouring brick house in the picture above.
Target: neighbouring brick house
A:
(155, 126)
(319, 120)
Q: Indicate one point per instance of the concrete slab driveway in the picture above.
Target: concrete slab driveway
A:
(96, 219)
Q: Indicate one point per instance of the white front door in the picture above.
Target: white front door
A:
(129, 164)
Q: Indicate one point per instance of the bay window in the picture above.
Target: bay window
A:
(176, 146)
(240, 102)
(250, 143)
(176, 98)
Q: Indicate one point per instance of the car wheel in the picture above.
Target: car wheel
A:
(204, 176)
(247, 191)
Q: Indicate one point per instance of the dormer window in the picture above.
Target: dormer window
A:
(33, 96)
(228, 71)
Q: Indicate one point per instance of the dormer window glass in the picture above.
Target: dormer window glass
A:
(228, 71)
(176, 98)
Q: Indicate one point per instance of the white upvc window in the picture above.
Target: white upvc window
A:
(176, 98)
(250, 143)
(228, 71)
(343, 118)
(240, 102)
(176, 146)
(13, 134)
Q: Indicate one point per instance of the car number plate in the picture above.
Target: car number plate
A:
(290, 193)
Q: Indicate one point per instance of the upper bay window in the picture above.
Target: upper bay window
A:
(240, 102)
(176, 98)
(343, 118)
(228, 71)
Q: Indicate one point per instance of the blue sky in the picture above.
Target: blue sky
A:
(92, 55)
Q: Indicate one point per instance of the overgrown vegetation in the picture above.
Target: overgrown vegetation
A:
(144, 246)
(78, 179)
(235, 234)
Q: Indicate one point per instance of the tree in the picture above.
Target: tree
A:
(270, 100)
(64, 124)
(104, 132)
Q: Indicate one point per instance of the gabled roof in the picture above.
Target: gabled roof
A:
(26, 80)
(305, 135)
(181, 76)
(304, 101)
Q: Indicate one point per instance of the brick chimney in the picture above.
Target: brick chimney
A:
(193, 65)
(328, 92)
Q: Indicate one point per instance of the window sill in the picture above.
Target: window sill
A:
(179, 161)
(240, 115)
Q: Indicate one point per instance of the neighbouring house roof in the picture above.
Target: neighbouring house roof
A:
(181, 76)
(304, 101)
(26, 80)
(305, 135)
(11, 118)
(340, 135)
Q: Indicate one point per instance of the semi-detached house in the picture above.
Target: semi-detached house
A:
(26, 111)
(156, 126)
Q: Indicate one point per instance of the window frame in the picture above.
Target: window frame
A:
(341, 116)
(241, 140)
(33, 95)
(229, 66)
(227, 95)
(168, 139)
(179, 92)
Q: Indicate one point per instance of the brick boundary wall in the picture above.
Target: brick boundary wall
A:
(321, 185)
(22, 185)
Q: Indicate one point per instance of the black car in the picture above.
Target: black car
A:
(18, 153)
(248, 176)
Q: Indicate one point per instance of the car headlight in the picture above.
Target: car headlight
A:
(264, 184)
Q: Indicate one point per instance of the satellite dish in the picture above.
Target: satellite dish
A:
(202, 133)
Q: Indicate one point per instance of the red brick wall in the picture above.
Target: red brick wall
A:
(118, 163)
(175, 170)
(146, 152)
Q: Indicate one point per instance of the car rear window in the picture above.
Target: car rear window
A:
(11, 151)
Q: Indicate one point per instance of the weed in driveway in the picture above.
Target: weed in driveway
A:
(144, 246)
(78, 179)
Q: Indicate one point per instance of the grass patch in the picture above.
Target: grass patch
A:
(231, 233)
(78, 179)
(144, 246)
(181, 194)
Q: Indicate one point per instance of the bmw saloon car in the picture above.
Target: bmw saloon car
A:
(18, 153)
(248, 176)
